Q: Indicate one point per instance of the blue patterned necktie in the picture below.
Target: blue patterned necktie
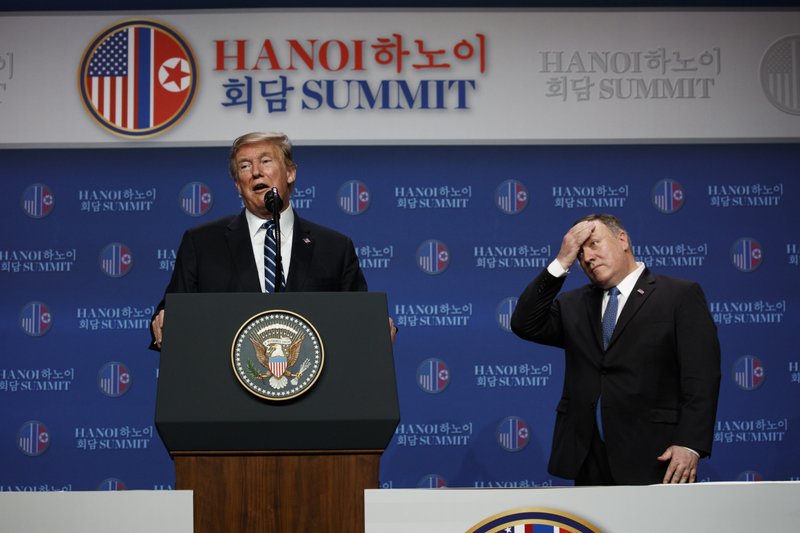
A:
(269, 256)
(610, 316)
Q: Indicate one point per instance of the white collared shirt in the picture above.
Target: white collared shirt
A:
(258, 233)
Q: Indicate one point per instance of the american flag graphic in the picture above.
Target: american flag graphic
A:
(138, 78)
(780, 74)
(535, 528)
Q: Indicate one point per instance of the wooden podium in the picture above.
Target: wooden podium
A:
(265, 465)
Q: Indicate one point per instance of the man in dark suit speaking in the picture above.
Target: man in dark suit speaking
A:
(638, 406)
(228, 255)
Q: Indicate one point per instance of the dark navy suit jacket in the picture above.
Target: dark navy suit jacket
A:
(659, 377)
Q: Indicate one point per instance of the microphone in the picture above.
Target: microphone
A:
(273, 201)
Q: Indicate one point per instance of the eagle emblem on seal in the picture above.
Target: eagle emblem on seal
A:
(277, 354)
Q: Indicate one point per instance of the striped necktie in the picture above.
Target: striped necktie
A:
(269, 257)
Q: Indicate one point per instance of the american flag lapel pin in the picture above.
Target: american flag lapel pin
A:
(306, 240)
(640, 291)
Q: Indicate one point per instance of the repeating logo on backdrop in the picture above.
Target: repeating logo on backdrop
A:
(511, 197)
(138, 78)
(748, 372)
(433, 257)
(747, 254)
(116, 260)
(35, 319)
(433, 375)
(112, 484)
(431, 481)
(353, 197)
(749, 475)
(33, 438)
(534, 521)
(513, 433)
(196, 199)
(667, 196)
(504, 311)
(277, 355)
(780, 74)
(38, 201)
(114, 379)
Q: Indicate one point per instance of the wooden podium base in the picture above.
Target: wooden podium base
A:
(278, 491)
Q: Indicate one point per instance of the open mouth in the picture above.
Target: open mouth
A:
(260, 187)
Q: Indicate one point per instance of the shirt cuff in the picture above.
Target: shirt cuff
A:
(556, 270)
(691, 450)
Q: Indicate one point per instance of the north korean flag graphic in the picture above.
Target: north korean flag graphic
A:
(33, 438)
(116, 260)
(511, 197)
(38, 201)
(114, 379)
(35, 319)
(433, 257)
(748, 372)
(353, 197)
(513, 433)
(138, 78)
(747, 254)
(433, 375)
(668, 196)
(196, 199)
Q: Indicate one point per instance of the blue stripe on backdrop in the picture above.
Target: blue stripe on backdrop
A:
(690, 210)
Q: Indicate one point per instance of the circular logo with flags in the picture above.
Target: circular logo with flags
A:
(433, 376)
(138, 78)
(746, 254)
(196, 199)
(116, 260)
(353, 197)
(513, 434)
(38, 201)
(433, 257)
(511, 197)
(780, 74)
(277, 355)
(504, 311)
(112, 484)
(667, 196)
(748, 372)
(534, 521)
(33, 438)
(114, 379)
(35, 319)
(432, 481)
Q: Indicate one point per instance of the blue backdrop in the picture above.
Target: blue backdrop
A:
(452, 234)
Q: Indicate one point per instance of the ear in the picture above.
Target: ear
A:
(291, 174)
(623, 239)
